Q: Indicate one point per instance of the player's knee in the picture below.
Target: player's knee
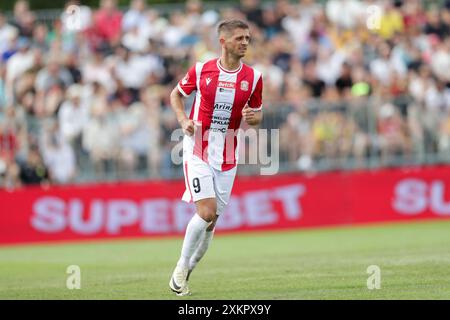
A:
(207, 214)
(207, 210)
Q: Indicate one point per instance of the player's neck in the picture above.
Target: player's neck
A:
(230, 63)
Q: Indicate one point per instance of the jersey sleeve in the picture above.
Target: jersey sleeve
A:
(188, 83)
(256, 98)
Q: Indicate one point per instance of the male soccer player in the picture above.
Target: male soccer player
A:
(227, 90)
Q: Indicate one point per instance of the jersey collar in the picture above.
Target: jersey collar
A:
(228, 71)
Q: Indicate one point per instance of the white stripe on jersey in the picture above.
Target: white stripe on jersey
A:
(223, 106)
(256, 76)
(182, 91)
(198, 98)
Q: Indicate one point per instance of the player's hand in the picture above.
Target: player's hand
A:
(188, 126)
(248, 114)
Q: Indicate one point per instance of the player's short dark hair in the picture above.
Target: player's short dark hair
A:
(230, 25)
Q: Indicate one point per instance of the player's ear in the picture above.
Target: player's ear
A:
(222, 40)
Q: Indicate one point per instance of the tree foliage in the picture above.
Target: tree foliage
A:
(8, 5)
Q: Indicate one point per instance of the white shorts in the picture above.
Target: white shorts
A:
(203, 181)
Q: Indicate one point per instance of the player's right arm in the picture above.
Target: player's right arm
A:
(177, 103)
(184, 89)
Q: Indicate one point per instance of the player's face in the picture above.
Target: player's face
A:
(237, 43)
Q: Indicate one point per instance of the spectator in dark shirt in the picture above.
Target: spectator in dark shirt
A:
(311, 80)
(271, 23)
(253, 12)
(71, 64)
(24, 19)
(345, 82)
(33, 171)
(434, 24)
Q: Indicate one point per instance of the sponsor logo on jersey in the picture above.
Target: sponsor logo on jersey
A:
(244, 85)
(223, 130)
(223, 106)
(208, 80)
(225, 90)
(225, 84)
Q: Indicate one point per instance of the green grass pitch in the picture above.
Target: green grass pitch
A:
(329, 263)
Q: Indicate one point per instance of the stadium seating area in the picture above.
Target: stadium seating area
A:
(349, 83)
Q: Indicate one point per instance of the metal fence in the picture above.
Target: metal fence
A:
(363, 133)
(314, 136)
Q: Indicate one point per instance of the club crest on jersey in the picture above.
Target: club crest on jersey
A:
(244, 85)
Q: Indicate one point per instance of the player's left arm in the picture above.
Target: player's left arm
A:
(251, 116)
(252, 112)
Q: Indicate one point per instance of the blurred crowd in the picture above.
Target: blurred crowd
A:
(343, 79)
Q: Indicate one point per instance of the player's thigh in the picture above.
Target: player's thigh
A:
(199, 180)
(223, 185)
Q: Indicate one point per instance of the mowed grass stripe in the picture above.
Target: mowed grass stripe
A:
(305, 264)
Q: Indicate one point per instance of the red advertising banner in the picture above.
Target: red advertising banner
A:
(258, 203)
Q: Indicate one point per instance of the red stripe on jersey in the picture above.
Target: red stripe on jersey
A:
(207, 86)
(256, 99)
(188, 83)
(201, 142)
(240, 99)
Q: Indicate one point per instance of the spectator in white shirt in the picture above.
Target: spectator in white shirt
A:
(381, 67)
(135, 16)
(133, 69)
(7, 32)
(345, 13)
(73, 118)
(153, 25)
(17, 65)
(58, 156)
(96, 70)
(440, 61)
(52, 74)
(174, 33)
(101, 140)
(135, 41)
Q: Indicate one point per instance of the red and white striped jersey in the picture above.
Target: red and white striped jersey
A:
(220, 97)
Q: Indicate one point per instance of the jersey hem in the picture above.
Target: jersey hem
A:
(228, 166)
